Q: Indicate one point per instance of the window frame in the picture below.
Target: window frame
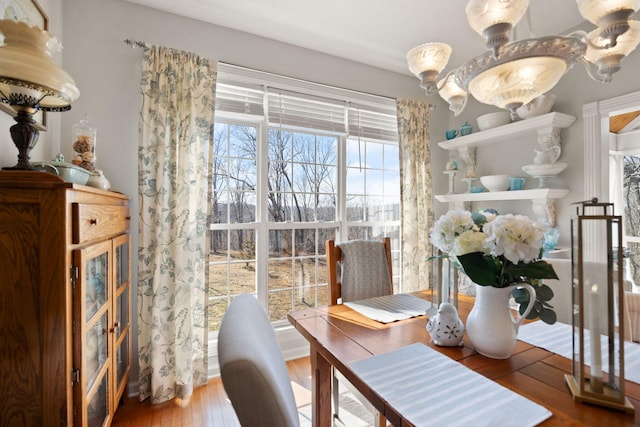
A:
(292, 344)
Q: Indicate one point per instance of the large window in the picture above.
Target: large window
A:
(292, 169)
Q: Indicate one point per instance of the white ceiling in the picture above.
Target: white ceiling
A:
(373, 32)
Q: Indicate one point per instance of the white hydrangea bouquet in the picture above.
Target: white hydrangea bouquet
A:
(499, 251)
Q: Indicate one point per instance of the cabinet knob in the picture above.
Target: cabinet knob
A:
(93, 221)
(116, 327)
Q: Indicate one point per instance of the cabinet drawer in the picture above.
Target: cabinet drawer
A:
(98, 221)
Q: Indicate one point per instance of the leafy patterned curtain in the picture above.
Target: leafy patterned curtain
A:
(174, 153)
(415, 192)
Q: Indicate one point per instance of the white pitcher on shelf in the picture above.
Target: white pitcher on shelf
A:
(547, 156)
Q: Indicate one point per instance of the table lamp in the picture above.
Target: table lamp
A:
(30, 81)
(597, 316)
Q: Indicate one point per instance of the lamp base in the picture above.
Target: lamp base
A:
(25, 137)
(610, 398)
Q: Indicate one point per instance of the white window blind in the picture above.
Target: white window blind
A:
(372, 123)
(299, 104)
(240, 99)
(302, 111)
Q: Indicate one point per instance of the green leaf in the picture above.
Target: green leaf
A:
(536, 270)
(480, 268)
(544, 293)
(548, 316)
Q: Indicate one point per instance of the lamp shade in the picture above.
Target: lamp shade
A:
(594, 10)
(428, 57)
(452, 93)
(627, 42)
(525, 70)
(607, 59)
(28, 74)
(482, 14)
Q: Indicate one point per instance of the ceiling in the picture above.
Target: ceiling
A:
(373, 32)
(625, 123)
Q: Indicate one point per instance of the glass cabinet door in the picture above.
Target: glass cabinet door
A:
(122, 315)
(91, 325)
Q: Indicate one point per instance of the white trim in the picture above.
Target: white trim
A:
(596, 130)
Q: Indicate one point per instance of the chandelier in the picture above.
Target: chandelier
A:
(510, 74)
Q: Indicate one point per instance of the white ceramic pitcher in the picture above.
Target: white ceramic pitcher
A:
(491, 326)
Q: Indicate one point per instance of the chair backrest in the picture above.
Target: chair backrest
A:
(252, 368)
(632, 316)
(359, 269)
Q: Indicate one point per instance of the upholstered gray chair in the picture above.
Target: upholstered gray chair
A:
(252, 368)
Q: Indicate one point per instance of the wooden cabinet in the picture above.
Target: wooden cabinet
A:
(65, 345)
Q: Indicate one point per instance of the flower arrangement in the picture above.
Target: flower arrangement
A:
(499, 250)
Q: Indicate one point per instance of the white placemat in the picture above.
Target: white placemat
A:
(390, 308)
(557, 338)
(430, 389)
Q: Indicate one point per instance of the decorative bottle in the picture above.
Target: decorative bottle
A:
(84, 144)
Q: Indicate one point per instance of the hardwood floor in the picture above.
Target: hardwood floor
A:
(208, 406)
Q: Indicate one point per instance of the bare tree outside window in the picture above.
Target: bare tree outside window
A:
(631, 196)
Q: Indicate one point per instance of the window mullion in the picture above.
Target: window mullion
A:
(262, 229)
(341, 208)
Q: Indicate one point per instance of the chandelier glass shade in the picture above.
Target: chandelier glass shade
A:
(510, 74)
(427, 61)
(31, 81)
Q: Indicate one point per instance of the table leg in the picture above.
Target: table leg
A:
(320, 390)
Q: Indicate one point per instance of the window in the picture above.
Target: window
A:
(295, 164)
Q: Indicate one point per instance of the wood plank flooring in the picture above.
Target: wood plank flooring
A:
(208, 407)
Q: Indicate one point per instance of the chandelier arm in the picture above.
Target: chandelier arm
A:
(592, 71)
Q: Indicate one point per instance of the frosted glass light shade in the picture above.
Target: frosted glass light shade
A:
(427, 61)
(494, 19)
(427, 57)
(28, 74)
(608, 59)
(453, 94)
(482, 14)
(524, 70)
(594, 10)
(512, 84)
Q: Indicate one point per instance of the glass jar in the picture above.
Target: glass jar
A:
(84, 144)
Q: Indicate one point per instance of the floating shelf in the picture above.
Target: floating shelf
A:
(542, 199)
(544, 124)
(535, 194)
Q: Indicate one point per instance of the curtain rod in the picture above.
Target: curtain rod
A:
(136, 43)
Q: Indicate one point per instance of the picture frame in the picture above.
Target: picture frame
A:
(31, 12)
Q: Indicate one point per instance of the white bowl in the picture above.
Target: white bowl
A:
(491, 120)
(540, 105)
(495, 182)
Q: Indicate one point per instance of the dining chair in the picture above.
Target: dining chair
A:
(358, 269)
(632, 316)
(253, 371)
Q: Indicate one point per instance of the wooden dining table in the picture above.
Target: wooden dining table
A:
(339, 336)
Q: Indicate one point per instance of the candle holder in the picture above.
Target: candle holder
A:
(597, 294)
(444, 277)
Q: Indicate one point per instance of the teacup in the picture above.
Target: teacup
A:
(451, 133)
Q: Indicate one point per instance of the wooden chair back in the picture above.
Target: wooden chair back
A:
(334, 256)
